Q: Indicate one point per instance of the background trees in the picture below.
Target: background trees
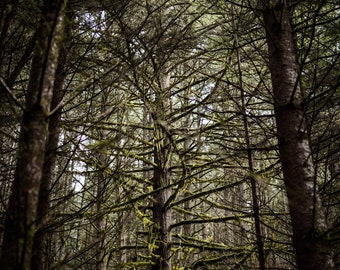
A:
(162, 151)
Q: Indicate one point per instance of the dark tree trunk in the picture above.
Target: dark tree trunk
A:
(6, 24)
(253, 184)
(308, 221)
(22, 208)
(101, 192)
(39, 262)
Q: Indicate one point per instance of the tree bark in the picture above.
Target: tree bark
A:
(308, 221)
(22, 207)
(250, 160)
(39, 262)
(161, 214)
(161, 180)
(101, 192)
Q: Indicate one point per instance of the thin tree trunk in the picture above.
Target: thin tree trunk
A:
(100, 220)
(101, 192)
(187, 228)
(161, 180)
(22, 207)
(255, 200)
(161, 215)
(308, 221)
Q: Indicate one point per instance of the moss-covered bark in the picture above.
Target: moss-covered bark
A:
(161, 236)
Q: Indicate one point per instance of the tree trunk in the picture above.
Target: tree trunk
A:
(101, 192)
(308, 221)
(38, 261)
(161, 180)
(161, 215)
(6, 22)
(22, 208)
(253, 184)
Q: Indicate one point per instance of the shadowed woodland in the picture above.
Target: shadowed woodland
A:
(170, 134)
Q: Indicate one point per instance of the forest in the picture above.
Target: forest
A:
(170, 134)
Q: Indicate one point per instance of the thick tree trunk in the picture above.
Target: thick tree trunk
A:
(307, 216)
(22, 208)
(39, 262)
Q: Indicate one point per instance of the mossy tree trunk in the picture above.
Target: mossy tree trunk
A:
(22, 207)
(161, 236)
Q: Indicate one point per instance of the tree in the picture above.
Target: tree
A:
(39, 259)
(22, 207)
(308, 220)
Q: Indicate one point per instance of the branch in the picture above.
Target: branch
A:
(8, 90)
